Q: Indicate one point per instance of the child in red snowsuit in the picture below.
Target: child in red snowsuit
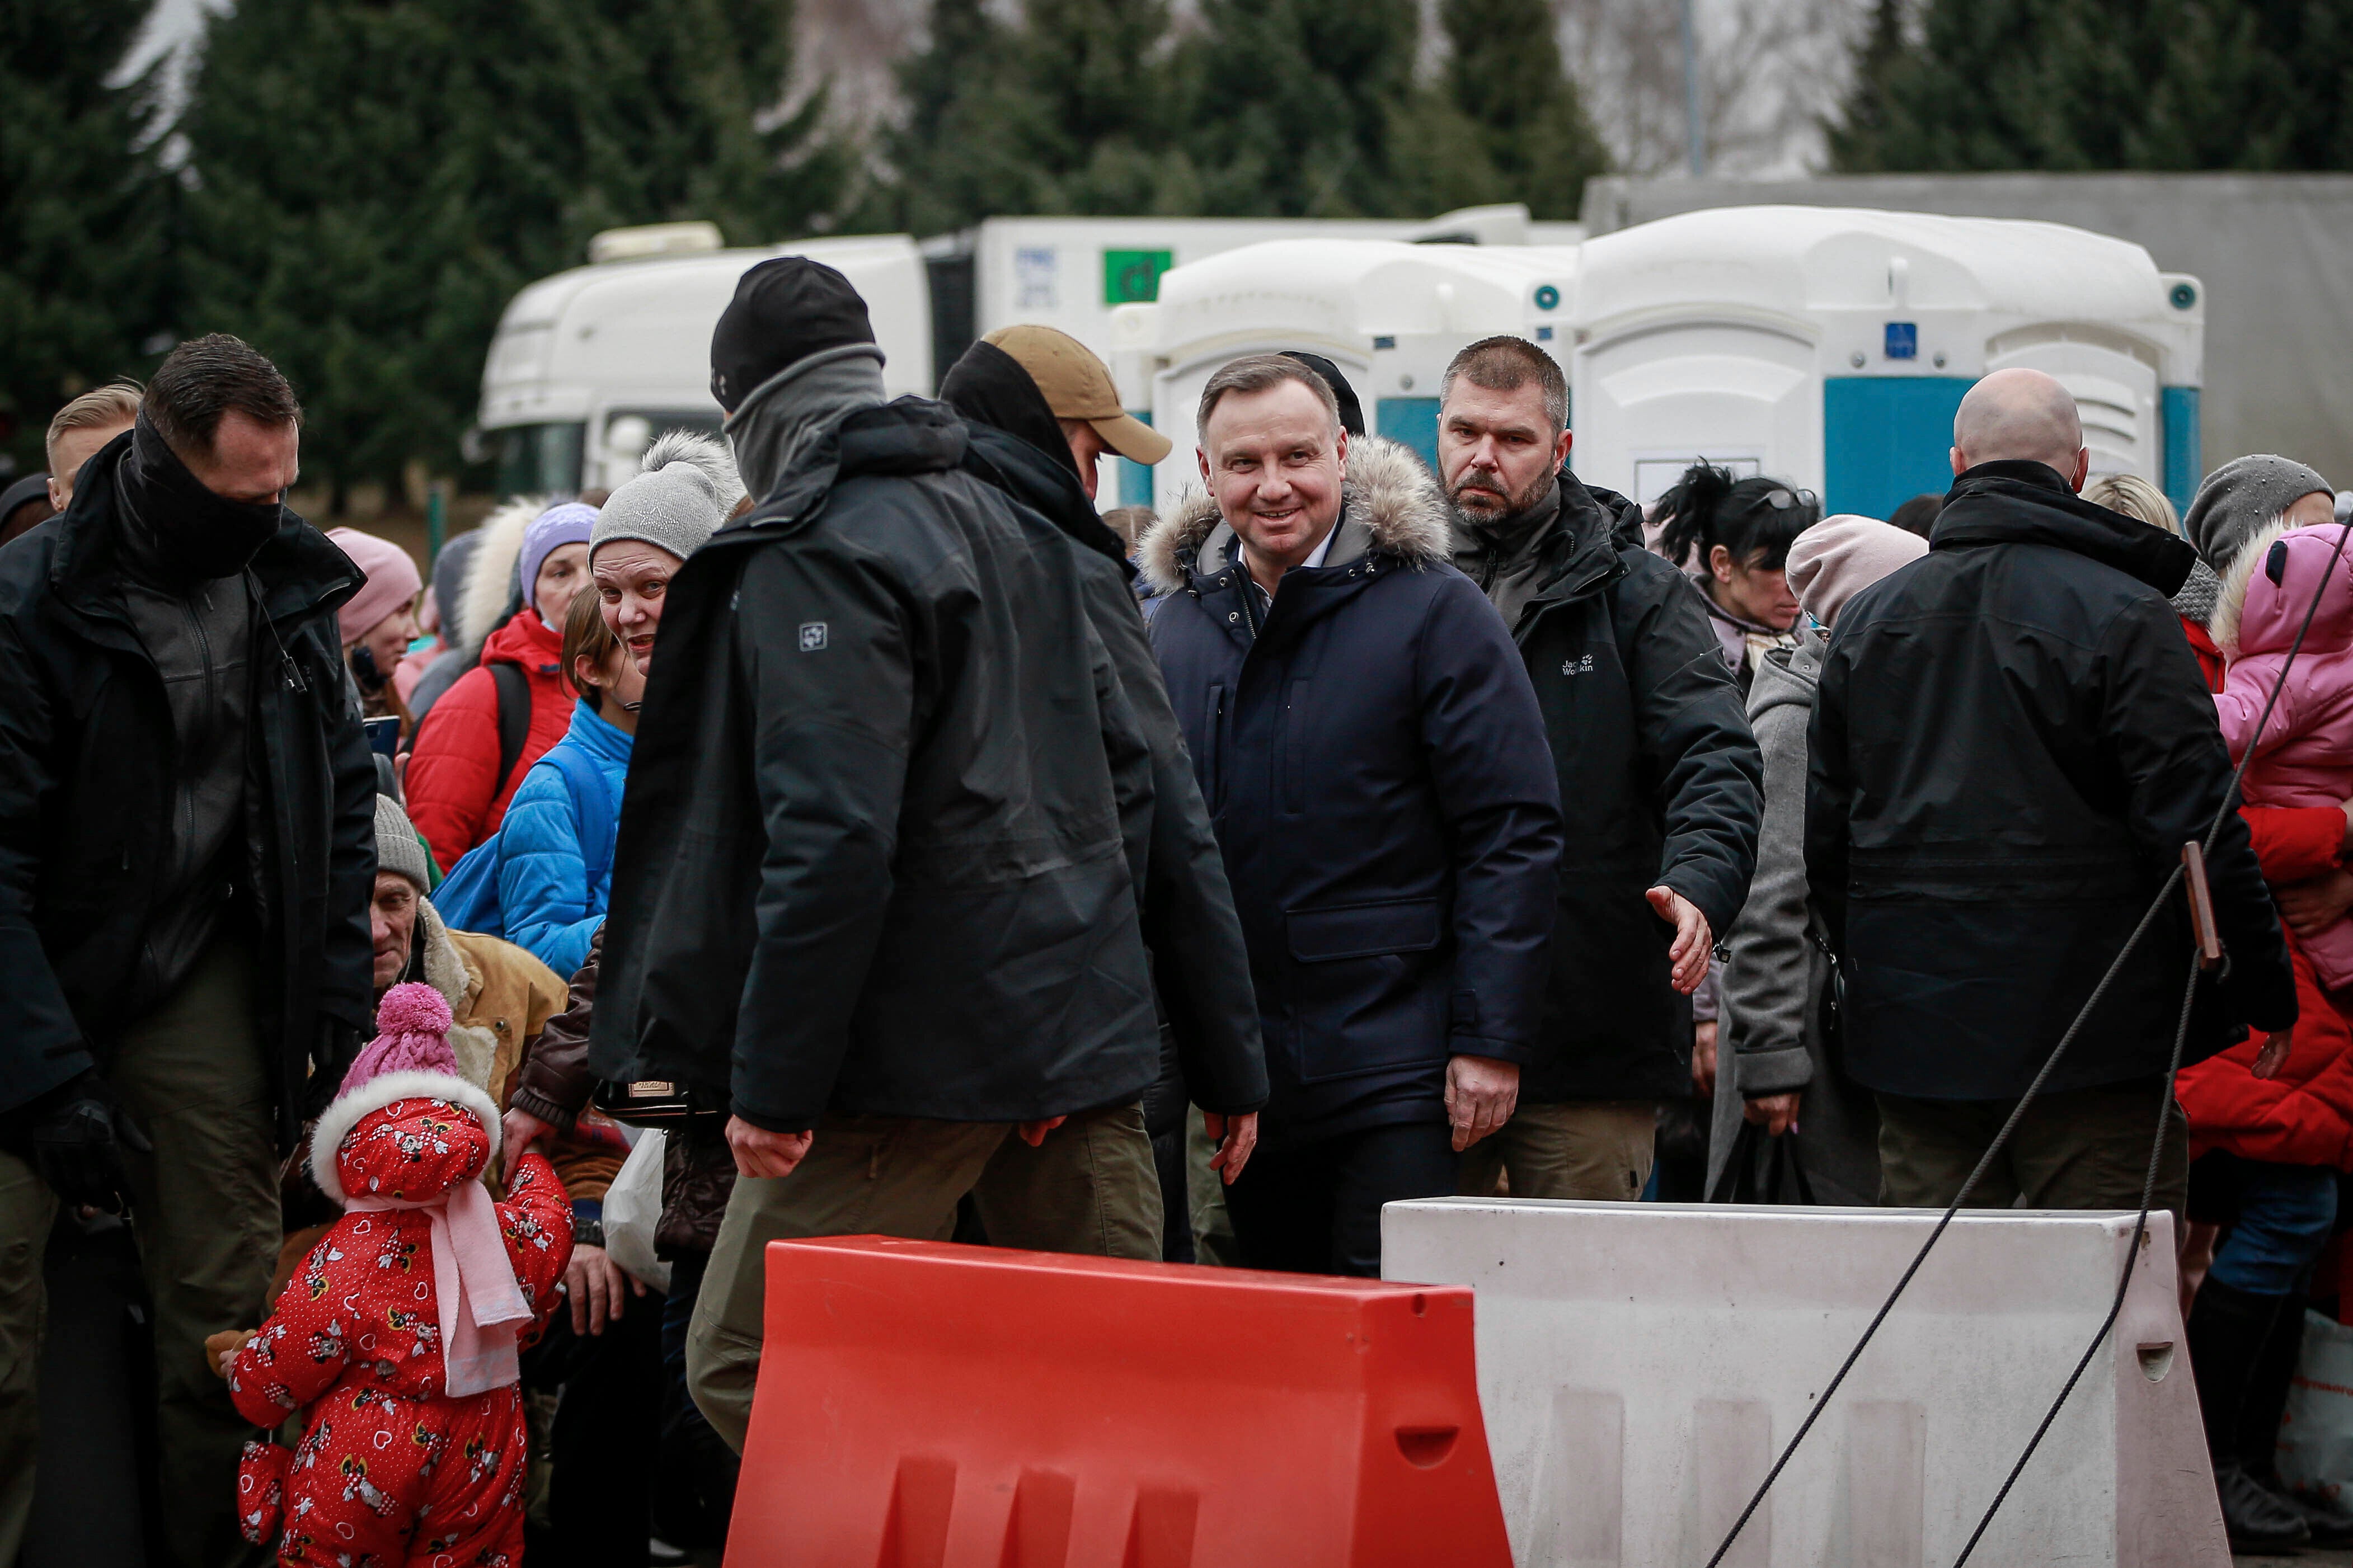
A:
(397, 1337)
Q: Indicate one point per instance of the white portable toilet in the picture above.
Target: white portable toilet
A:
(1830, 347)
(1390, 314)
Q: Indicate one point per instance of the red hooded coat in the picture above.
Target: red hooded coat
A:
(455, 798)
(391, 1470)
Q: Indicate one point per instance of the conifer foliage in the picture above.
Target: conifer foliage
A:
(2101, 84)
(1253, 108)
(85, 211)
(372, 180)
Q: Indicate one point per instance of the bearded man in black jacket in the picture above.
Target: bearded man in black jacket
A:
(2012, 744)
(187, 850)
(1658, 775)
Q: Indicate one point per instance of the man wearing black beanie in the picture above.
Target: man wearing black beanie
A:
(871, 891)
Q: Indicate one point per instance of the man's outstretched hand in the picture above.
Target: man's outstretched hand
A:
(1695, 945)
(760, 1152)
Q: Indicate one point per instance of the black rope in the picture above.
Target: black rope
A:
(2091, 1004)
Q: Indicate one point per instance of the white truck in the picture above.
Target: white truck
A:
(588, 364)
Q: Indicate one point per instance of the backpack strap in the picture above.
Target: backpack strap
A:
(514, 719)
(592, 811)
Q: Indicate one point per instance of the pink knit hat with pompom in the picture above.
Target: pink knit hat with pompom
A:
(411, 1036)
(409, 1059)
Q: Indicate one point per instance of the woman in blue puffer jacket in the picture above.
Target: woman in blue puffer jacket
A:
(556, 847)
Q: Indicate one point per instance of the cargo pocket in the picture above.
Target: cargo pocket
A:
(1362, 993)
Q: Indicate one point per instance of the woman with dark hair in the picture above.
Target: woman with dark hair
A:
(1733, 536)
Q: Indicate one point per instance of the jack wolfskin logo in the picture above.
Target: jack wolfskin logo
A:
(1577, 666)
(812, 635)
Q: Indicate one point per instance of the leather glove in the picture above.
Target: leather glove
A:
(77, 1144)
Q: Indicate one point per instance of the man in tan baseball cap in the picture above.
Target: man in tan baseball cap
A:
(1078, 388)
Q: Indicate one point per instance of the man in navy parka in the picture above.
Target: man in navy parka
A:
(1376, 770)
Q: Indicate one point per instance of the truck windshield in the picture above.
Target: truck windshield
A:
(541, 459)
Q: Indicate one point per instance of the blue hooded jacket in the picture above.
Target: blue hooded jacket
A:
(551, 909)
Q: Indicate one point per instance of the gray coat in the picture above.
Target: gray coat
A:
(1771, 988)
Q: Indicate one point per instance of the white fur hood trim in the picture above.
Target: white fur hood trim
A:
(349, 1110)
(2232, 603)
(490, 575)
(1387, 491)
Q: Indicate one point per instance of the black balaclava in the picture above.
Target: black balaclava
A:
(1352, 413)
(990, 386)
(185, 530)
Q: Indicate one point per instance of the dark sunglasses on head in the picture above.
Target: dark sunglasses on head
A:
(1782, 500)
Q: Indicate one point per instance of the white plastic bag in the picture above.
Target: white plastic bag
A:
(2315, 1438)
(633, 1208)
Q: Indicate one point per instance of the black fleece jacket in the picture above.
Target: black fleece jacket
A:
(871, 859)
(1660, 784)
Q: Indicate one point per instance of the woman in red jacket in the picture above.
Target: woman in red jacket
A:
(457, 787)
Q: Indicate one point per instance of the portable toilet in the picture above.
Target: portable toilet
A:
(1390, 314)
(1830, 347)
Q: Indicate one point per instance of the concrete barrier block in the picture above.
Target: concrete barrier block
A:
(1641, 1364)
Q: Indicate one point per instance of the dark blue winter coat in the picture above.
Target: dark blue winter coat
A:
(1376, 770)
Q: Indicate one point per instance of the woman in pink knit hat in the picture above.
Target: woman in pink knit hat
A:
(378, 622)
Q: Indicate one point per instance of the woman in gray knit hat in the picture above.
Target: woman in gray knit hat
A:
(2250, 493)
(686, 489)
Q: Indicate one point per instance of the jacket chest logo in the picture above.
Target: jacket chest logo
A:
(812, 635)
(1577, 666)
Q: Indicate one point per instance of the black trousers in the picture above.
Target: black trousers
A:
(1315, 1208)
(604, 1443)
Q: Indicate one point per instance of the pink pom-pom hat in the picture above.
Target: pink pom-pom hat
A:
(409, 1059)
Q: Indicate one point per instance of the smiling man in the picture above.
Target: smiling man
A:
(186, 852)
(1375, 772)
(1659, 775)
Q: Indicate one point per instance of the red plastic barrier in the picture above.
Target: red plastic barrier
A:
(927, 1406)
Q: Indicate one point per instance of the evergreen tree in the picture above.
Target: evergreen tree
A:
(1880, 56)
(374, 180)
(1295, 106)
(2103, 84)
(1506, 77)
(1071, 110)
(84, 210)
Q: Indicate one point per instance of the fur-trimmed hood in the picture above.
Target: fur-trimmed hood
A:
(345, 1116)
(490, 575)
(1390, 504)
(2259, 610)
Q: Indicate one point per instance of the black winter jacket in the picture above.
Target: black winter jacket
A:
(1660, 785)
(86, 786)
(869, 858)
(1375, 769)
(1199, 966)
(2011, 745)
